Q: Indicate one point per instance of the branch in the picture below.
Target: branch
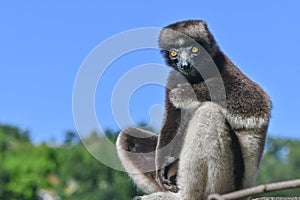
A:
(257, 190)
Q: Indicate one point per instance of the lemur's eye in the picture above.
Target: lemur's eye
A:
(195, 49)
(173, 53)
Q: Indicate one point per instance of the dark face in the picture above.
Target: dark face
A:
(192, 59)
(184, 59)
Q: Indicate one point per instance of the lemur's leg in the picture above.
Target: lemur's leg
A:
(207, 161)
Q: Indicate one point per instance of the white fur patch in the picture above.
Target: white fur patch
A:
(187, 105)
(180, 42)
(238, 122)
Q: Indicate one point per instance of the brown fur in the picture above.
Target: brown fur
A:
(244, 97)
(244, 102)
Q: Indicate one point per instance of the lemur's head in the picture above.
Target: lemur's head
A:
(185, 43)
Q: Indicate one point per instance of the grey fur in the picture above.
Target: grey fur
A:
(219, 142)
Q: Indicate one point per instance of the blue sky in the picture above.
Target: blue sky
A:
(44, 43)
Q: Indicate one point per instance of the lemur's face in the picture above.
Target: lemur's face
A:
(184, 58)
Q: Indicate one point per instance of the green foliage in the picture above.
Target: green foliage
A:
(71, 172)
(71, 138)
(67, 170)
(280, 162)
(14, 133)
(27, 168)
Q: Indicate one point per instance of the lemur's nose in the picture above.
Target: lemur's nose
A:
(185, 65)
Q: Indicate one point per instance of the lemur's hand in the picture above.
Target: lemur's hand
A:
(184, 97)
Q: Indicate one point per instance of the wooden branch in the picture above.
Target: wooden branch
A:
(257, 190)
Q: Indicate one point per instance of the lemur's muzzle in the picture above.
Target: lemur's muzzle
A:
(184, 63)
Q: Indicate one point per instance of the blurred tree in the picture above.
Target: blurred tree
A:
(71, 137)
(15, 133)
(280, 162)
(4, 179)
(28, 167)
